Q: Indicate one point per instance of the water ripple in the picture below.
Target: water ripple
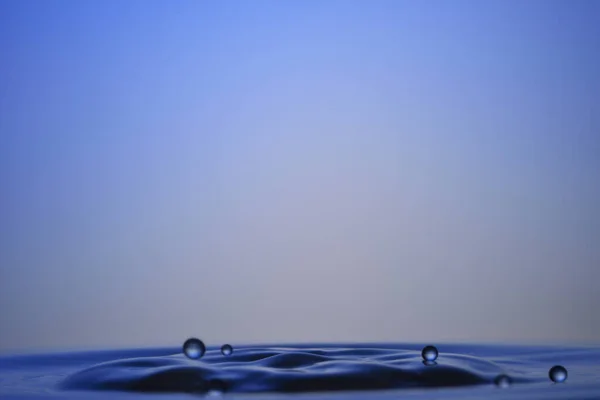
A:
(286, 370)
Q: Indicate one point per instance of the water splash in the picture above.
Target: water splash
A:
(283, 370)
(315, 368)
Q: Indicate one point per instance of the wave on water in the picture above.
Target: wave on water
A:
(288, 370)
(309, 371)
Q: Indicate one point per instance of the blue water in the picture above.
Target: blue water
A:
(317, 372)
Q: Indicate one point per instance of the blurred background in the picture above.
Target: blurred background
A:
(298, 171)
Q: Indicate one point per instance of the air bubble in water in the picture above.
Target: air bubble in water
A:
(226, 350)
(558, 374)
(194, 348)
(429, 354)
(502, 381)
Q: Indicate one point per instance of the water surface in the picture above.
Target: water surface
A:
(317, 372)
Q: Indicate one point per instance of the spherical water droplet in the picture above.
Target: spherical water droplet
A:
(429, 354)
(194, 348)
(226, 350)
(216, 387)
(558, 374)
(503, 381)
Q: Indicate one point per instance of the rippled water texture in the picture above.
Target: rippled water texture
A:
(315, 372)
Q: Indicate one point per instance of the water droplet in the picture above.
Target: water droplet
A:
(216, 387)
(226, 350)
(194, 348)
(429, 354)
(503, 381)
(558, 374)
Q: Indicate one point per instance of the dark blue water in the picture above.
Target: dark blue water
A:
(374, 371)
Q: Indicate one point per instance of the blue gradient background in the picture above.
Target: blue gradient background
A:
(298, 171)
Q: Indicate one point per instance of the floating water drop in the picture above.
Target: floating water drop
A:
(429, 354)
(226, 350)
(558, 374)
(502, 381)
(194, 348)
